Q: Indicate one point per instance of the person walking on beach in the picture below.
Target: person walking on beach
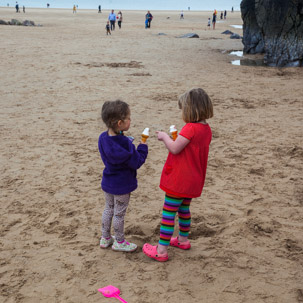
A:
(225, 13)
(112, 20)
(119, 19)
(214, 19)
(184, 171)
(99, 9)
(23, 9)
(74, 9)
(149, 18)
(182, 15)
(17, 8)
(107, 27)
(121, 159)
(208, 23)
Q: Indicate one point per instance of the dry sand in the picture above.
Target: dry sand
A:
(247, 228)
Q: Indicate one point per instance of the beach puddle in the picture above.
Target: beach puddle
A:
(245, 61)
(237, 53)
(249, 62)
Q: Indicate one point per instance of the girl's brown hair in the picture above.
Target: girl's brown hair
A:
(113, 111)
(196, 105)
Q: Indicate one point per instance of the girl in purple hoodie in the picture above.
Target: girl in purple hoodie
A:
(121, 159)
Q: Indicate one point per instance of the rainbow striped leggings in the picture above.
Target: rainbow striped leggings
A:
(171, 206)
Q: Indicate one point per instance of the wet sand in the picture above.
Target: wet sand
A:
(247, 228)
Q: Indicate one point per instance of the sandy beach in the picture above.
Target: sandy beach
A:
(247, 227)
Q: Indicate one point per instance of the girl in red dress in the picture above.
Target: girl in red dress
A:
(184, 171)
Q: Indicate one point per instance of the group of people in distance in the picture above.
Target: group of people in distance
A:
(111, 22)
(148, 19)
(18, 9)
(113, 18)
(214, 18)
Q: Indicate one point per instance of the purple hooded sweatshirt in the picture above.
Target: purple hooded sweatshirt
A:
(121, 160)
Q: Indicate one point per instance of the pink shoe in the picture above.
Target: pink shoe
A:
(183, 245)
(151, 252)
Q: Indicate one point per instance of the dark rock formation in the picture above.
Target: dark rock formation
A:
(28, 23)
(14, 22)
(190, 35)
(17, 22)
(235, 36)
(227, 32)
(274, 27)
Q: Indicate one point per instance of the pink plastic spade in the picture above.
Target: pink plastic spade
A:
(111, 291)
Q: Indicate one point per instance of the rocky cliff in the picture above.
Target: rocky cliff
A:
(274, 27)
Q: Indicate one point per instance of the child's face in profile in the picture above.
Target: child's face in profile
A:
(125, 124)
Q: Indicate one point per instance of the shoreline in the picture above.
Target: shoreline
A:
(109, 9)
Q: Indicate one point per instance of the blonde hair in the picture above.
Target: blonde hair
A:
(195, 105)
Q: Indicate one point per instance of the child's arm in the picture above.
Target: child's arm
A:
(175, 147)
(138, 156)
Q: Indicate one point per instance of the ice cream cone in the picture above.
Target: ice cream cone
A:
(174, 135)
(144, 138)
(145, 135)
(173, 131)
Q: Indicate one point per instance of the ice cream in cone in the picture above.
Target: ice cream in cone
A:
(173, 131)
(145, 135)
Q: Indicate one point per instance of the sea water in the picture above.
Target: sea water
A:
(249, 62)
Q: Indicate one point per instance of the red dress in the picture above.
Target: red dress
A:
(183, 174)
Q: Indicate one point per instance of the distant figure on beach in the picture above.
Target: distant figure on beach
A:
(47, 5)
(74, 9)
(99, 9)
(121, 159)
(182, 15)
(149, 18)
(214, 19)
(7, 4)
(225, 13)
(232, 9)
(184, 172)
(208, 23)
(112, 19)
(221, 16)
(107, 27)
(119, 19)
(17, 8)
(23, 9)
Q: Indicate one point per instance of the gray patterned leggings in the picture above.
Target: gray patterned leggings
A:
(115, 209)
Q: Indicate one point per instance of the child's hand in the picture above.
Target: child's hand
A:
(162, 135)
(141, 142)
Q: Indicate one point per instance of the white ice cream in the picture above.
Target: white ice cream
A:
(172, 128)
(146, 131)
